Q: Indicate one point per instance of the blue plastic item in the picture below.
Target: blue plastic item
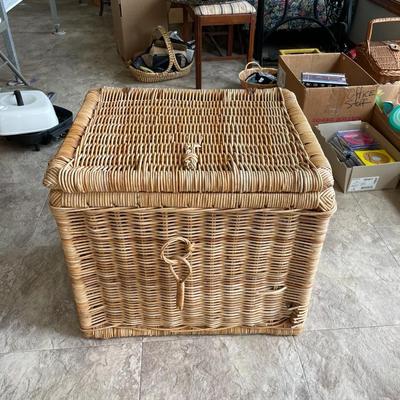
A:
(394, 119)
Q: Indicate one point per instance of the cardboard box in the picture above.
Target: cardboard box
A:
(380, 121)
(175, 16)
(134, 22)
(390, 91)
(354, 102)
(355, 179)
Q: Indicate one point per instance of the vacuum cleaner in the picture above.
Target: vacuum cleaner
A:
(29, 118)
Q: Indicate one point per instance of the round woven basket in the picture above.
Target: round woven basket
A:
(251, 68)
(151, 77)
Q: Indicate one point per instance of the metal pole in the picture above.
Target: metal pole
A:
(17, 73)
(8, 39)
(55, 17)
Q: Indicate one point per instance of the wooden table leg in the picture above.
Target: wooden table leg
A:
(252, 30)
(199, 46)
(258, 54)
(230, 41)
(186, 26)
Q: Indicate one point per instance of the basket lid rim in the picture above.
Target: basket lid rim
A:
(312, 173)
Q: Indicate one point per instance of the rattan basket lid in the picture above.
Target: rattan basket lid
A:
(384, 56)
(189, 141)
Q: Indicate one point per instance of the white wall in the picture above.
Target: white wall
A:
(367, 10)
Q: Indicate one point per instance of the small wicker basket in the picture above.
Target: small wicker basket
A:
(380, 59)
(251, 68)
(168, 74)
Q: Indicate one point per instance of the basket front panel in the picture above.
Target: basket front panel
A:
(250, 268)
(383, 66)
(384, 57)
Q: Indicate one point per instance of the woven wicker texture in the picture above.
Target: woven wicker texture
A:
(151, 252)
(381, 59)
(173, 71)
(251, 68)
(385, 57)
(171, 141)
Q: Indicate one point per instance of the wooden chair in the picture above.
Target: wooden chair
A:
(229, 14)
(102, 4)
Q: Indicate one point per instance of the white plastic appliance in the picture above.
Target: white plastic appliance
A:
(27, 111)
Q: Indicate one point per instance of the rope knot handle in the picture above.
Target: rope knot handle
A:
(176, 260)
(191, 158)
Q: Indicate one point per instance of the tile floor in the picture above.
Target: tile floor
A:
(351, 346)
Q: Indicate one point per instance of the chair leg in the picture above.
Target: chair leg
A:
(252, 29)
(230, 41)
(240, 39)
(199, 46)
(186, 25)
(101, 8)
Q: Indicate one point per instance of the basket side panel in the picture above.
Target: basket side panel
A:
(376, 71)
(250, 268)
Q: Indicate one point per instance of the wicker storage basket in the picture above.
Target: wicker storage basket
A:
(168, 74)
(380, 59)
(191, 212)
(251, 68)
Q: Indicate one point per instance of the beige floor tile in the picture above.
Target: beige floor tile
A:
(382, 207)
(37, 308)
(357, 283)
(349, 213)
(352, 364)
(109, 373)
(252, 367)
(391, 236)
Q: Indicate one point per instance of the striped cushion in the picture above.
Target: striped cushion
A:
(230, 7)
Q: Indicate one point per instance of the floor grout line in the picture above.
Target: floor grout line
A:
(387, 246)
(36, 226)
(60, 349)
(141, 371)
(26, 246)
(302, 368)
(182, 338)
(376, 229)
(361, 208)
(352, 327)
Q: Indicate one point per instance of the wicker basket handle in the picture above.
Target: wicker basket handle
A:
(371, 27)
(191, 158)
(255, 63)
(171, 53)
(176, 260)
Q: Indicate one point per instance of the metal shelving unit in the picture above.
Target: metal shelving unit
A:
(5, 31)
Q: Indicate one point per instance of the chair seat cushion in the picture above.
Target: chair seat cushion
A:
(230, 7)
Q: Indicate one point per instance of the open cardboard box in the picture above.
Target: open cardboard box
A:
(385, 176)
(380, 121)
(330, 104)
(134, 22)
(175, 16)
(388, 92)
